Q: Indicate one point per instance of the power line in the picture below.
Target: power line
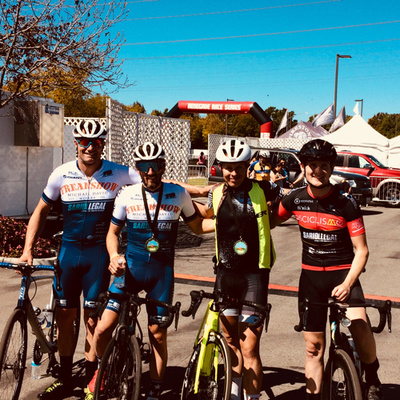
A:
(264, 34)
(232, 11)
(261, 51)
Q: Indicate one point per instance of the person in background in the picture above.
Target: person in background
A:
(261, 169)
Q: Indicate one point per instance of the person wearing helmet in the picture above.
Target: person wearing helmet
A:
(151, 210)
(87, 188)
(261, 169)
(335, 253)
(244, 257)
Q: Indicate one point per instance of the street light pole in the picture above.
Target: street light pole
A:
(226, 119)
(362, 104)
(336, 79)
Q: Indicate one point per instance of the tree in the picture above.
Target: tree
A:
(386, 124)
(136, 107)
(43, 39)
(244, 125)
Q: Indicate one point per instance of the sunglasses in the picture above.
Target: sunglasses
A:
(85, 142)
(144, 166)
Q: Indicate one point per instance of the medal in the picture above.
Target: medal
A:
(240, 247)
(152, 245)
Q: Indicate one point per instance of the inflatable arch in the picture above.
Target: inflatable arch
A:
(225, 107)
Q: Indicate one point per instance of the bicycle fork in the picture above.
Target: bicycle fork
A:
(208, 356)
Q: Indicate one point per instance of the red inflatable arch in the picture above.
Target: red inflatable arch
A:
(225, 107)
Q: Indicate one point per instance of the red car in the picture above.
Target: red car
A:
(385, 181)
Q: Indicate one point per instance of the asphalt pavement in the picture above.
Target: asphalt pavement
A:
(282, 349)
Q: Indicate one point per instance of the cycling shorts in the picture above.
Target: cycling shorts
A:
(83, 268)
(154, 277)
(317, 286)
(251, 287)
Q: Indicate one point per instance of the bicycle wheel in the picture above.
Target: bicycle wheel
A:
(13, 351)
(120, 371)
(341, 380)
(216, 384)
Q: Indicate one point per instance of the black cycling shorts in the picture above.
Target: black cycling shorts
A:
(251, 287)
(317, 286)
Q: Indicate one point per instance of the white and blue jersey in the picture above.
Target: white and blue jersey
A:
(87, 205)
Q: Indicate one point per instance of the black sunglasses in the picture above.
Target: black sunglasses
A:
(155, 165)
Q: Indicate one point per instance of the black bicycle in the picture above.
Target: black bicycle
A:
(343, 372)
(121, 365)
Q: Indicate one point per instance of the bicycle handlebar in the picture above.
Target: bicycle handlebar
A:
(385, 313)
(224, 299)
(26, 270)
(104, 297)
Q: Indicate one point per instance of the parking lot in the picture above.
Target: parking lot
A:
(282, 349)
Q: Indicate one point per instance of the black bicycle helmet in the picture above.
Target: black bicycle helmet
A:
(317, 149)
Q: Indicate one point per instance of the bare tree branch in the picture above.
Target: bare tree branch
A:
(42, 41)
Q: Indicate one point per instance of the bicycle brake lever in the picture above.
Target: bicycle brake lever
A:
(389, 315)
(177, 309)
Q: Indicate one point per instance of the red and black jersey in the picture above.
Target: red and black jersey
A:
(326, 225)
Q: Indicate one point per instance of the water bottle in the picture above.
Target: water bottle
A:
(119, 281)
(36, 370)
(48, 313)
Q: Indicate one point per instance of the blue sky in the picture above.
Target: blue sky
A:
(279, 53)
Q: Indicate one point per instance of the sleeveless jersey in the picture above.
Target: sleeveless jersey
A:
(129, 206)
(326, 226)
(87, 203)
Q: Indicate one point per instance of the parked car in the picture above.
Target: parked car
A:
(360, 185)
(385, 181)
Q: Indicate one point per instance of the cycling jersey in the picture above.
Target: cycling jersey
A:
(263, 172)
(326, 225)
(87, 203)
(227, 233)
(87, 208)
(152, 272)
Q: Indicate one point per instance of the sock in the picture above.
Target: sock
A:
(236, 388)
(313, 396)
(252, 396)
(371, 373)
(155, 389)
(66, 369)
(90, 369)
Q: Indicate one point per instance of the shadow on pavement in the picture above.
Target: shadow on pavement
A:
(280, 377)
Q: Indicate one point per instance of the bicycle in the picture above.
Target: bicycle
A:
(120, 369)
(343, 371)
(209, 372)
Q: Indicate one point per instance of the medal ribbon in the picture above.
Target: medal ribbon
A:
(152, 224)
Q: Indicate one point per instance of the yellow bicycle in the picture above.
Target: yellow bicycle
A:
(209, 372)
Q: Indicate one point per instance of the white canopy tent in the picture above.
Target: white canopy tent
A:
(304, 130)
(394, 152)
(356, 135)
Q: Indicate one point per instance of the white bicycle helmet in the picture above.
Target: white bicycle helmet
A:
(90, 129)
(233, 150)
(148, 151)
(265, 154)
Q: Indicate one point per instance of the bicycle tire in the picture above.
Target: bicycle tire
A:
(120, 371)
(13, 351)
(217, 385)
(341, 379)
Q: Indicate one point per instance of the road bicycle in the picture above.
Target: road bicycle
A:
(14, 341)
(120, 369)
(343, 371)
(208, 375)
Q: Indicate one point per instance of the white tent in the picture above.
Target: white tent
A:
(394, 152)
(356, 135)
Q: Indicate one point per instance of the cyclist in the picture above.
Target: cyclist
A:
(261, 169)
(335, 253)
(87, 188)
(152, 210)
(244, 257)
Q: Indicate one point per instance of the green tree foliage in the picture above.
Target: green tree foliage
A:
(277, 115)
(386, 124)
(136, 107)
(43, 39)
(244, 125)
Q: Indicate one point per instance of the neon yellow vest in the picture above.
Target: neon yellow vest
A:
(260, 207)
